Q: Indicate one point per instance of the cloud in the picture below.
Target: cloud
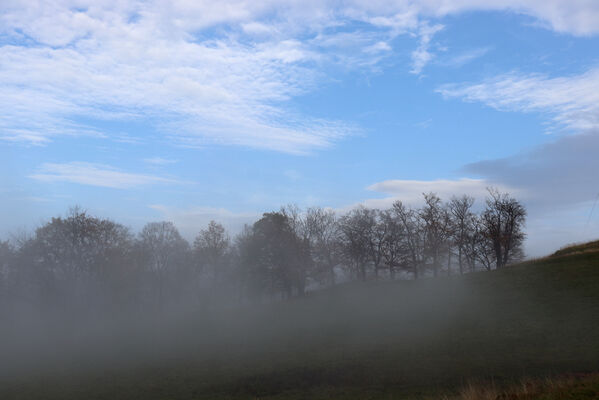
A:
(557, 174)
(160, 161)
(190, 220)
(411, 191)
(571, 102)
(422, 56)
(207, 72)
(95, 175)
(575, 17)
(464, 57)
(555, 182)
(558, 184)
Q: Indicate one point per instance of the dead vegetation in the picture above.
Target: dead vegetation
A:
(571, 386)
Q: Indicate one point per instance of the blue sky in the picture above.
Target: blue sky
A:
(199, 110)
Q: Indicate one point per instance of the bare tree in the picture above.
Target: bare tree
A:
(462, 216)
(210, 247)
(503, 221)
(435, 228)
(415, 238)
(377, 239)
(394, 249)
(164, 248)
(356, 228)
(324, 237)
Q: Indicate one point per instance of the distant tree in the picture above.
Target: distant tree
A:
(394, 249)
(463, 225)
(211, 246)
(357, 228)
(377, 240)
(480, 246)
(415, 236)
(164, 251)
(298, 221)
(7, 259)
(325, 241)
(503, 224)
(80, 244)
(74, 251)
(435, 221)
(275, 256)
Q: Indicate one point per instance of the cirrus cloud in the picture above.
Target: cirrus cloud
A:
(95, 175)
(202, 72)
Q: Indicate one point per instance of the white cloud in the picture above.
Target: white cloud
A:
(464, 57)
(71, 60)
(422, 56)
(572, 102)
(160, 161)
(576, 17)
(94, 175)
(190, 220)
(411, 191)
(556, 217)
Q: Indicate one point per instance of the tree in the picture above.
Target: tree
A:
(377, 238)
(298, 221)
(503, 223)
(210, 247)
(415, 238)
(76, 253)
(394, 246)
(325, 244)
(7, 256)
(356, 228)
(435, 228)
(276, 257)
(164, 250)
(463, 223)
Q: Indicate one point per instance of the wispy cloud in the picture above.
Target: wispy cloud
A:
(572, 101)
(422, 56)
(191, 220)
(410, 191)
(209, 72)
(95, 175)
(463, 58)
(160, 161)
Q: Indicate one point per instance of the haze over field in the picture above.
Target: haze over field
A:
(299, 199)
(189, 111)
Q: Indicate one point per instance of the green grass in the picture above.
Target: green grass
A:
(380, 340)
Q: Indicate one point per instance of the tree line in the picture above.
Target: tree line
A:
(82, 261)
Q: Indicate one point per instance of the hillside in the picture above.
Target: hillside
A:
(588, 247)
(381, 340)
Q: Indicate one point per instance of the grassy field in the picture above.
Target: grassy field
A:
(381, 340)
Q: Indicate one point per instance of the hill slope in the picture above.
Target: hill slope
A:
(364, 341)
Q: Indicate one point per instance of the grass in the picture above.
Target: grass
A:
(573, 387)
(381, 340)
(577, 249)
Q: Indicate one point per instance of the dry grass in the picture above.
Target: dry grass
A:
(529, 389)
(577, 248)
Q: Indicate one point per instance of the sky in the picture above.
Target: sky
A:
(189, 111)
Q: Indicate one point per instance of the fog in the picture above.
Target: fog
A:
(83, 296)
